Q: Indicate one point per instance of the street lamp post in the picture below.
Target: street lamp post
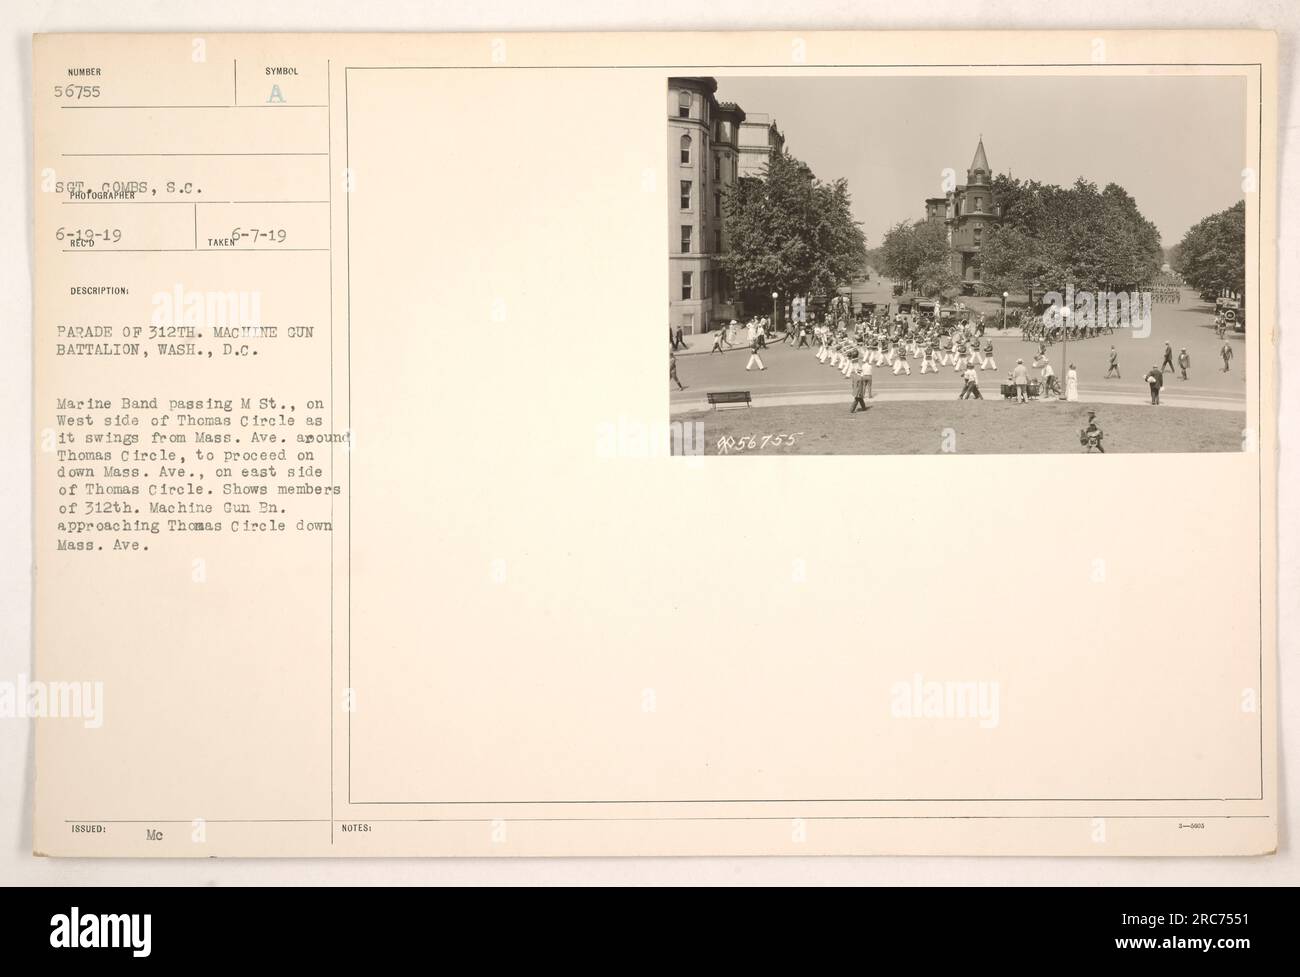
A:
(1004, 311)
(774, 298)
(1065, 337)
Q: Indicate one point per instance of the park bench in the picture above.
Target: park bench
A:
(729, 397)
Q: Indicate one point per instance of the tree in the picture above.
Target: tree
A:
(791, 233)
(1051, 236)
(919, 254)
(1212, 254)
(1012, 261)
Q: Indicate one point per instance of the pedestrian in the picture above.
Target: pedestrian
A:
(864, 369)
(972, 386)
(753, 355)
(1114, 365)
(1226, 353)
(860, 381)
(1168, 361)
(1155, 378)
(1071, 384)
(1020, 377)
(672, 370)
(1049, 382)
(1184, 361)
(718, 340)
(1090, 437)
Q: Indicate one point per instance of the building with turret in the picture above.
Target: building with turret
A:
(968, 211)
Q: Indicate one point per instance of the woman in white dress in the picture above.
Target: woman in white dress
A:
(1071, 383)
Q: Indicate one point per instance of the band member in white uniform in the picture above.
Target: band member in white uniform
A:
(986, 361)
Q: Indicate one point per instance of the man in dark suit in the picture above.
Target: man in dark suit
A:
(859, 390)
(1155, 378)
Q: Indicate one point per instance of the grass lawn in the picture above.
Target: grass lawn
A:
(981, 427)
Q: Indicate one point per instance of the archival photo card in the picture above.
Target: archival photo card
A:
(365, 526)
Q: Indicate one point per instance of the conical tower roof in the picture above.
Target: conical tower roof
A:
(980, 162)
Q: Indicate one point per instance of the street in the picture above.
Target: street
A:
(794, 376)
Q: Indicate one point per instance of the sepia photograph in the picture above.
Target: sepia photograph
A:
(974, 263)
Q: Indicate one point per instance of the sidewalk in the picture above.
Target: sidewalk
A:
(1086, 397)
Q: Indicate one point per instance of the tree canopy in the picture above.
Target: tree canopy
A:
(1051, 236)
(1212, 254)
(919, 254)
(790, 232)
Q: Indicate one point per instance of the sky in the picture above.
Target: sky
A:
(1177, 144)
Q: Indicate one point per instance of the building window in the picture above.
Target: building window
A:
(979, 233)
(979, 205)
(717, 241)
(686, 285)
(717, 205)
(686, 149)
(686, 239)
(686, 195)
(717, 167)
(683, 105)
(708, 285)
